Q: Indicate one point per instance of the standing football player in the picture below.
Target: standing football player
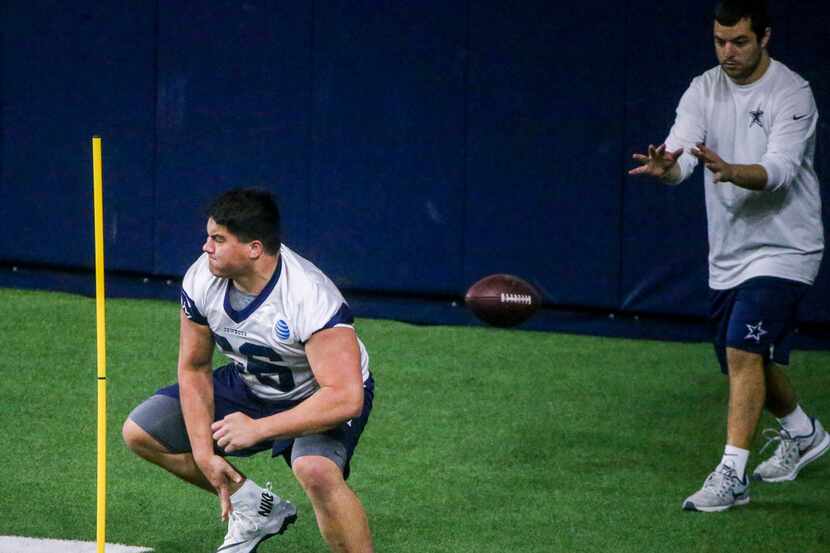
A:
(752, 122)
(298, 384)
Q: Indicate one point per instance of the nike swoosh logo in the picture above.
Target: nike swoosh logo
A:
(797, 117)
(230, 545)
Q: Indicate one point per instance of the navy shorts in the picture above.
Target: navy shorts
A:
(231, 395)
(758, 316)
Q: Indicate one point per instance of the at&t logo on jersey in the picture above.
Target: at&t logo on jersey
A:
(281, 330)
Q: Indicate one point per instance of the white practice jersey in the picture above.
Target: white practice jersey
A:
(266, 339)
(772, 122)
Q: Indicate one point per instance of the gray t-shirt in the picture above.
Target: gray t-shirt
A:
(239, 299)
(772, 122)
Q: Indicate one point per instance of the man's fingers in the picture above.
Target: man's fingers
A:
(224, 501)
(703, 151)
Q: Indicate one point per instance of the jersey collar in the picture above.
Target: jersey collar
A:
(239, 316)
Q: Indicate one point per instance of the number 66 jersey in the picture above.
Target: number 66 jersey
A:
(266, 339)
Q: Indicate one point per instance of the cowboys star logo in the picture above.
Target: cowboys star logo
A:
(755, 332)
(756, 118)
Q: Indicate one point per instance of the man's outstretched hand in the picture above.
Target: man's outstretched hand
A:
(657, 163)
(722, 171)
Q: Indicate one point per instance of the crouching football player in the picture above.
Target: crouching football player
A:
(298, 383)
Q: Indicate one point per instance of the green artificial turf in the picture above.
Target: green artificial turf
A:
(481, 441)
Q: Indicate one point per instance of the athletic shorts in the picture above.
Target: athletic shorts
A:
(758, 316)
(161, 417)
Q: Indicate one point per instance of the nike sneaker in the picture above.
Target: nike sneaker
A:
(721, 491)
(792, 453)
(251, 524)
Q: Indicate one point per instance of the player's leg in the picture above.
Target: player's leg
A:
(340, 514)
(801, 439)
(155, 430)
(781, 396)
(321, 463)
(727, 485)
(143, 444)
(747, 394)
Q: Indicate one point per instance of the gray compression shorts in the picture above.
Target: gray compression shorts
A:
(161, 417)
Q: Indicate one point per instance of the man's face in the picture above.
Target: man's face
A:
(739, 50)
(227, 256)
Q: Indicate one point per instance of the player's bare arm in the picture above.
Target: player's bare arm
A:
(658, 163)
(196, 392)
(750, 177)
(334, 356)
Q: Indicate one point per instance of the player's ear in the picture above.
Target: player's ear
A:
(766, 37)
(255, 249)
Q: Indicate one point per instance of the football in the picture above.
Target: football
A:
(503, 300)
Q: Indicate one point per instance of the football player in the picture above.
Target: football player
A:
(297, 384)
(752, 122)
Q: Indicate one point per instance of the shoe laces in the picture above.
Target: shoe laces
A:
(786, 452)
(722, 480)
(241, 525)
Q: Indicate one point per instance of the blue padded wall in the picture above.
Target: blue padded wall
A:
(415, 146)
(234, 80)
(387, 174)
(807, 48)
(71, 71)
(663, 232)
(543, 162)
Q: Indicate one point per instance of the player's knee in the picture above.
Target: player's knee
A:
(318, 476)
(740, 361)
(136, 438)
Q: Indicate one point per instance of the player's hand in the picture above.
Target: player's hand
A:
(220, 474)
(722, 171)
(236, 431)
(657, 163)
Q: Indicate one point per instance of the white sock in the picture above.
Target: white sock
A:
(797, 423)
(735, 457)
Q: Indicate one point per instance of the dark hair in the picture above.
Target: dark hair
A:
(250, 214)
(729, 12)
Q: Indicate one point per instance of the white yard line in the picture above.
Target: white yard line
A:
(17, 544)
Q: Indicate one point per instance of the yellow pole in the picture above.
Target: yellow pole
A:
(98, 200)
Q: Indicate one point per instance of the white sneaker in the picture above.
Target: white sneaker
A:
(250, 525)
(792, 454)
(721, 490)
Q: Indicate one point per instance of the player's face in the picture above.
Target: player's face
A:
(227, 256)
(740, 51)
